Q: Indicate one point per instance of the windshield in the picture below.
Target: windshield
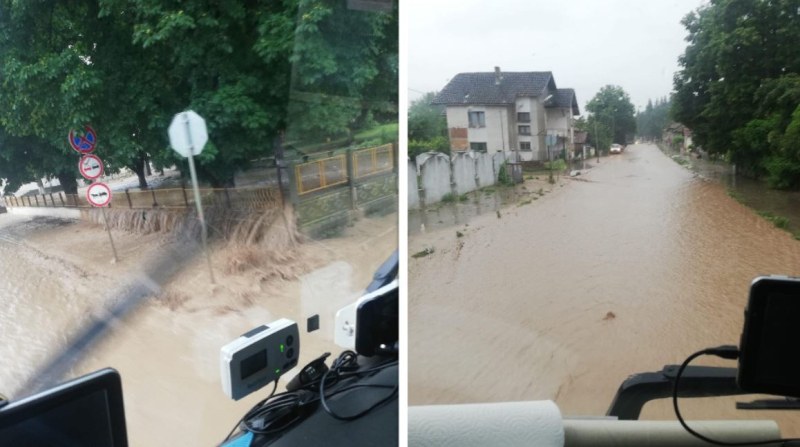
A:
(106, 257)
(595, 186)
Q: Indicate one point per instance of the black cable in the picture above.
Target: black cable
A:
(345, 366)
(274, 388)
(726, 352)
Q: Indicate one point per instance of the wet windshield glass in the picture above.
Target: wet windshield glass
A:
(297, 182)
(620, 173)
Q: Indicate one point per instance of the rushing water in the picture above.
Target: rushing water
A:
(55, 279)
(637, 266)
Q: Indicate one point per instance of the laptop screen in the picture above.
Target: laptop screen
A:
(84, 412)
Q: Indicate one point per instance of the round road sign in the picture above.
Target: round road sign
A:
(188, 133)
(91, 167)
(98, 194)
(84, 144)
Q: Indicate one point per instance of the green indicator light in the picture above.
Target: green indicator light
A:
(278, 371)
(282, 347)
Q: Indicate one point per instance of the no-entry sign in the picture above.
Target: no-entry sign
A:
(98, 194)
(91, 167)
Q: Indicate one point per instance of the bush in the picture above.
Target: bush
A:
(503, 176)
(437, 144)
(556, 165)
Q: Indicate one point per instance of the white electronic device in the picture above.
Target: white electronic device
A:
(259, 357)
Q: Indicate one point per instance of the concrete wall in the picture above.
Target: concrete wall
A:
(484, 170)
(469, 171)
(463, 167)
(64, 213)
(435, 173)
(413, 186)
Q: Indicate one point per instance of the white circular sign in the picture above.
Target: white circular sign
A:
(90, 167)
(98, 194)
(187, 132)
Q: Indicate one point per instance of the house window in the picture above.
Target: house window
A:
(478, 147)
(523, 117)
(477, 119)
(524, 130)
(525, 145)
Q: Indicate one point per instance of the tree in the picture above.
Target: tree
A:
(651, 122)
(312, 68)
(612, 115)
(735, 49)
(426, 121)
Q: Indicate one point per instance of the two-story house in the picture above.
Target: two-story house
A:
(493, 112)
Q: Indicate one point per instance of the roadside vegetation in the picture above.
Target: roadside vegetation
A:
(259, 73)
(738, 88)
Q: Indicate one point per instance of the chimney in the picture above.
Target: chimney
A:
(498, 76)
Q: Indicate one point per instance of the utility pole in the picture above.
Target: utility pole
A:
(596, 141)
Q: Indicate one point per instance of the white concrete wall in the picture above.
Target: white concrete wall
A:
(463, 166)
(435, 173)
(64, 213)
(413, 186)
(484, 170)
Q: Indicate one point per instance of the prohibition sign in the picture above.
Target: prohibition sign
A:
(84, 144)
(91, 167)
(98, 194)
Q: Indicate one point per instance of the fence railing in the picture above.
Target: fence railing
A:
(320, 174)
(236, 198)
(373, 160)
(317, 175)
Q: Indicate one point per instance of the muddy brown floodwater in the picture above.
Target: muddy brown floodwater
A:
(55, 279)
(636, 266)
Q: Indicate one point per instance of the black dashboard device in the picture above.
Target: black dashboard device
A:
(86, 411)
(377, 321)
(769, 359)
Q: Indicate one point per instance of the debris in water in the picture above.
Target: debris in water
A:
(609, 316)
(459, 234)
(498, 214)
(423, 253)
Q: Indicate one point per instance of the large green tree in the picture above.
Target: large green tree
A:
(315, 68)
(736, 50)
(612, 115)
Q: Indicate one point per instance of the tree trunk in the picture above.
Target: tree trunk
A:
(68, 182)
(139, 168)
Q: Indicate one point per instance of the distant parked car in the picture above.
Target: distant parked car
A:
(615, 149)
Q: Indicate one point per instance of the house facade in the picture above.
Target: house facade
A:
(522, 112)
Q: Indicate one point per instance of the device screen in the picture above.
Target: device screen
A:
(778, 359)
(83, 421)
(254, 364)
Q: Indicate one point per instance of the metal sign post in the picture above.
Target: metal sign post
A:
(188, 136)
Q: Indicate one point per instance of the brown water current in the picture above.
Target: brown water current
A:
(635, 266)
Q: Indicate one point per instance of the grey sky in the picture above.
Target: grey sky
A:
(585, 43)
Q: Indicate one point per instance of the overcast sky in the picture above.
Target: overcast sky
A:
(585, 43)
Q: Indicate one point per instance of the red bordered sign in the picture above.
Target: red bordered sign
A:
(98, 194)
(84, 144)
(91, 167)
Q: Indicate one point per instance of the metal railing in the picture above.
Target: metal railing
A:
(320, 174)
(373, 160)
(238, 198)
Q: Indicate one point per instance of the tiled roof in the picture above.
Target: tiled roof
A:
(565, 99)
(482, 88)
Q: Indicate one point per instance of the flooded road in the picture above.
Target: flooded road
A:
(637, 265)
(56, 279)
